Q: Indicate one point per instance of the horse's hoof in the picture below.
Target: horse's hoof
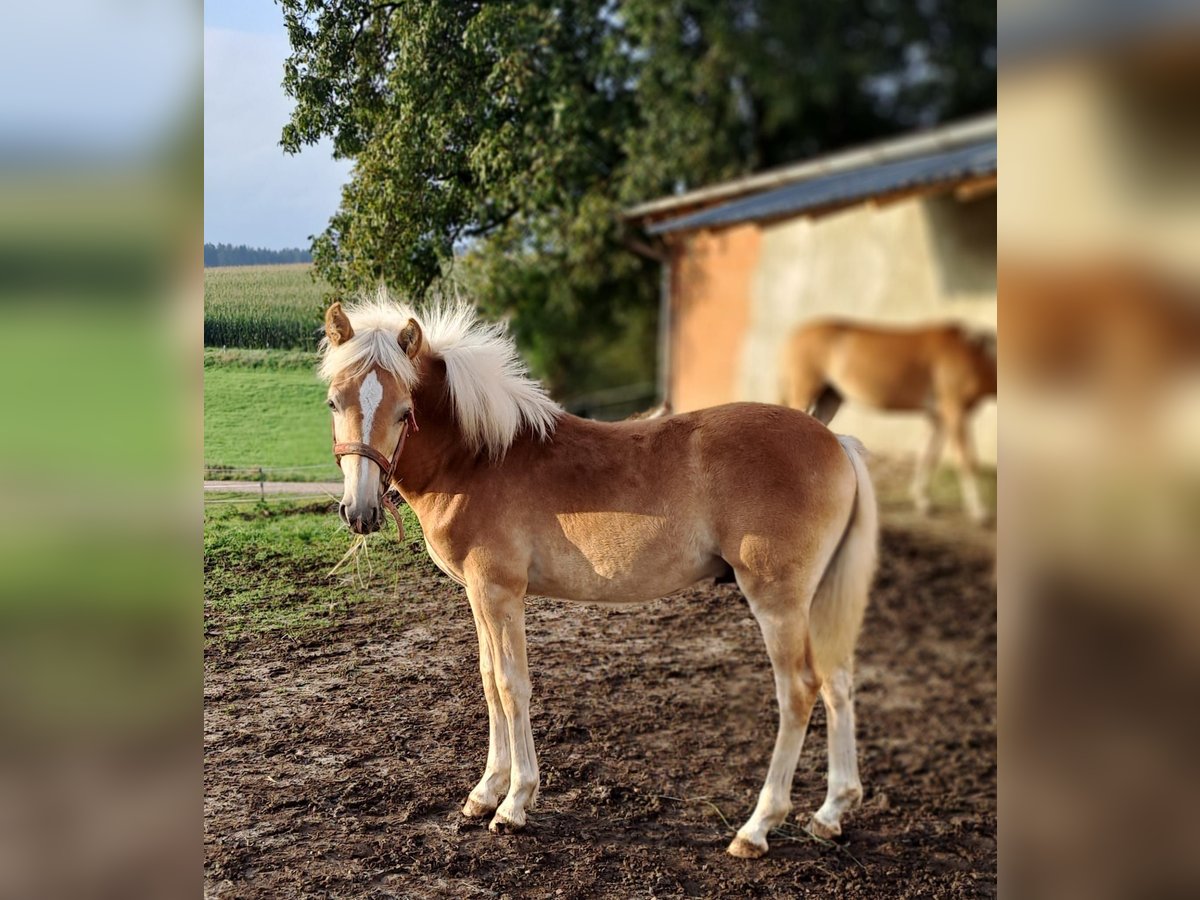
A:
(743, 849)
(824, 830)
(473, 809)
(501, 824)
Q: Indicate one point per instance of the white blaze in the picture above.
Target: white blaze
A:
(370, 392)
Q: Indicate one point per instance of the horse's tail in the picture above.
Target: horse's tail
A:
(841, 599)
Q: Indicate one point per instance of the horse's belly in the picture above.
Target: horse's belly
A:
(615, 557)
(885, 387)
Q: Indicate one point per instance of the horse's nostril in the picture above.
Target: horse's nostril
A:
(343, 514)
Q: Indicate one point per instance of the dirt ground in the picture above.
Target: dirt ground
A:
(335, 764)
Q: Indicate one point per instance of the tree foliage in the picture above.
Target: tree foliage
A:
(508, 135)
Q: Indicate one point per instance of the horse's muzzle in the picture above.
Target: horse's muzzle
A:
(364, 522)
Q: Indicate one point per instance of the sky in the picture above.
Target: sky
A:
(254, 193)
(139, 62)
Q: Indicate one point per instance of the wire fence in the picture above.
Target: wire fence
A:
(215, 476)
(269, 498)
(612, 403)
(224, 469)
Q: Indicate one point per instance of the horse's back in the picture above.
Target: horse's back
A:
(887, 367)
(634, 510)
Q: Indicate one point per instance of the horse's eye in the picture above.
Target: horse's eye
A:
(330, 404)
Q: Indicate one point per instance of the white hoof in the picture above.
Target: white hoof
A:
(827, 831)
(744, 849)
(507, 821)
(474, 809)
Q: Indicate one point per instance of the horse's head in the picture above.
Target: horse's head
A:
(372, 406)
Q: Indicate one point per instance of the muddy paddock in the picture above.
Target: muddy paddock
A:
(336, 763)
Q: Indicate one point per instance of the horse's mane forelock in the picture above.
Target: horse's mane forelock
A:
(493, 397)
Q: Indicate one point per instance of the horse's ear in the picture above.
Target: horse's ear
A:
(337, 325)
(411, 339)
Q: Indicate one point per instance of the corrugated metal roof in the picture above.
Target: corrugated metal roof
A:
(977, 159)
(934, 140)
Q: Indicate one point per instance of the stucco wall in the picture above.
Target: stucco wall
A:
(739, 293)
(711, 278)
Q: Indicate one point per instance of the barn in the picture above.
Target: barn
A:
(900, 231)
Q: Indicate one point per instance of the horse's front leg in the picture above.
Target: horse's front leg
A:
(492, 787)
(926, 465)
(502, 612)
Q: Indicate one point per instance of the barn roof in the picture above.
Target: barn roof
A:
(943, 157)
(976, 160)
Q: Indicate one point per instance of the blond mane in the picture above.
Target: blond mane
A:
(493, 397)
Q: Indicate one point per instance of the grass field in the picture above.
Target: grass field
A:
(277, 307)
(265, 408)
(266, 565)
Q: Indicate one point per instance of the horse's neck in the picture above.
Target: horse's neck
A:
(436, 456)
(439, 460)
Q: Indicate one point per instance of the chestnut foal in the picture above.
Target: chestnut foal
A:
(516, 497)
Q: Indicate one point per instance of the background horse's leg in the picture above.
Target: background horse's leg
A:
(502, 610)
(845, 789)
(494, 784)
(964, 456)
(780, 611)
(828, 402)
(803, 384)
(926, 464)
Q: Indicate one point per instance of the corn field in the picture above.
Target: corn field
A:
(275, 307)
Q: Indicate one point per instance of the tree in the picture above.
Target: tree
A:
(508, 135)
(241, 255)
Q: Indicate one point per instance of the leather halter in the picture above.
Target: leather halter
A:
(387, 467)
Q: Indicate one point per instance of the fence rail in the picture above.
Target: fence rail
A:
(610, 403)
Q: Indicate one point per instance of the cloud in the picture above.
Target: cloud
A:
(254, 193)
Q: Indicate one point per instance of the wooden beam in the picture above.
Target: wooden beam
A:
(976, 188)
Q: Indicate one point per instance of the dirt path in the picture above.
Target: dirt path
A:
(335, 764)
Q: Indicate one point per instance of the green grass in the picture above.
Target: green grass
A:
(266, 566)
(265, 409)
(277, 307)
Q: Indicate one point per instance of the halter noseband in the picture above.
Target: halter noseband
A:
(386, 467)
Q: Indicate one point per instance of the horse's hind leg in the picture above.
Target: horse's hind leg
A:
(780, 609)
(960, 443)
(845, 789)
